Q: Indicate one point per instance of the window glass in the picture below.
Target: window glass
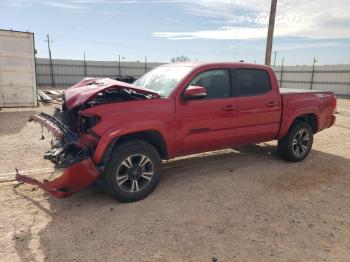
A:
(252, 82)
(217, 83)
(163, 79)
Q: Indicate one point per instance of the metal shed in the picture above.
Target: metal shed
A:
(17, 69)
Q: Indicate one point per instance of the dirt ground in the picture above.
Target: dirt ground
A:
(233, 205)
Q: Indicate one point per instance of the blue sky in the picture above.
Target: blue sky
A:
(206, 30)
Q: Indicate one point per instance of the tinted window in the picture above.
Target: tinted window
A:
(252, 82)
(217, 83)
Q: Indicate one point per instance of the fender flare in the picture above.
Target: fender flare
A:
(290, 118)
(115, 132)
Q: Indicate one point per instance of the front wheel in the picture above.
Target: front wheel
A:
(133, 171)
(297, 144)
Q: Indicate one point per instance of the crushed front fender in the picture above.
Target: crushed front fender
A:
(79, 169)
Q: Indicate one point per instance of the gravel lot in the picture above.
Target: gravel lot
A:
(244, 204)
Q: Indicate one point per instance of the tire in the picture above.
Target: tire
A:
(133, 161)
(297, 144)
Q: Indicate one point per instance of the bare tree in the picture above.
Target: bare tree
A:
(180, 59)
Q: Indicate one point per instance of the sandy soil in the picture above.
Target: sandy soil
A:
(235, 205)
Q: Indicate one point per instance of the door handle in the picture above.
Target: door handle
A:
(229, 108)
(271, 104)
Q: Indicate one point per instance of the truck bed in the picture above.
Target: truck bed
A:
(298, 91)
(297, 102)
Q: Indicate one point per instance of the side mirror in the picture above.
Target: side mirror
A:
(195, 92)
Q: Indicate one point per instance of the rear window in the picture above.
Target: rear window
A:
(252, 82)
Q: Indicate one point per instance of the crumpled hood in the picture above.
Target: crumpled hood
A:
(88, 88)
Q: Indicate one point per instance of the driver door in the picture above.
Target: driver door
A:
(208, 123)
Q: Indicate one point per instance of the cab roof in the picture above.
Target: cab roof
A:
(213, 64)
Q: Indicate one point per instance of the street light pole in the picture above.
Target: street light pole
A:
(270, 32)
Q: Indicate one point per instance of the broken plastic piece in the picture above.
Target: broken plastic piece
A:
(74, 178)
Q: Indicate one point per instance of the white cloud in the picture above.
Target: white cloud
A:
(228, 33)
(248, 19)
(240, 19)
(20, 5)
(64, 5)
(128, 1)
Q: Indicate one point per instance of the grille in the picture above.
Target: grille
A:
(67, 118)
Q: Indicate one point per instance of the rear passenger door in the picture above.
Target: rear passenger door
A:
(259, 106)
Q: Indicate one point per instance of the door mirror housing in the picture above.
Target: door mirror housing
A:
(195, 92)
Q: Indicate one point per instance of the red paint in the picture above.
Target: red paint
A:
(193, 126)
(195, 91)
(74, 178)
(189, 126)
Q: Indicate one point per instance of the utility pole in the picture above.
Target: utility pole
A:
(270, 32)
(120, 70)
(274, 60)
(313, 73)
(282, 67)
(145, 64)
(84, 65)
(50, 57)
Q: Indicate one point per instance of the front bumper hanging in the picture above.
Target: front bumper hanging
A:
(79, 169)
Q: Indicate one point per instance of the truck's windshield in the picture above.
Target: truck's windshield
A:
(163, 79)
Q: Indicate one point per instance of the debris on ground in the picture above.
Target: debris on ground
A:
(48, 96)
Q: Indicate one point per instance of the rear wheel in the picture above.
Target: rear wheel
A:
(297, 144)
(133, 171)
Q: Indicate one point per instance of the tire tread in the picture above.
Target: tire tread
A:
(118, 154)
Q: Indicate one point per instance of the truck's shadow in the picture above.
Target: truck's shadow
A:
(92, 226)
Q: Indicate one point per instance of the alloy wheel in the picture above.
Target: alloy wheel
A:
(134, 173)
(301, 142)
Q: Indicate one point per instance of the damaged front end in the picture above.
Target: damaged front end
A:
(68, 152)
(74, 141)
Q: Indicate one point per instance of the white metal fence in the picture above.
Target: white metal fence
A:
(334, 78)
(66, 73)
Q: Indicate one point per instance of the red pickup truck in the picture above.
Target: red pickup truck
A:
(121, 132)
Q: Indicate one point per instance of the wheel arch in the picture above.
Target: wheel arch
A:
(310, 118)
(151, 136)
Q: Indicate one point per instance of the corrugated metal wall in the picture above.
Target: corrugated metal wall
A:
(334, 78)
(68, 72)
